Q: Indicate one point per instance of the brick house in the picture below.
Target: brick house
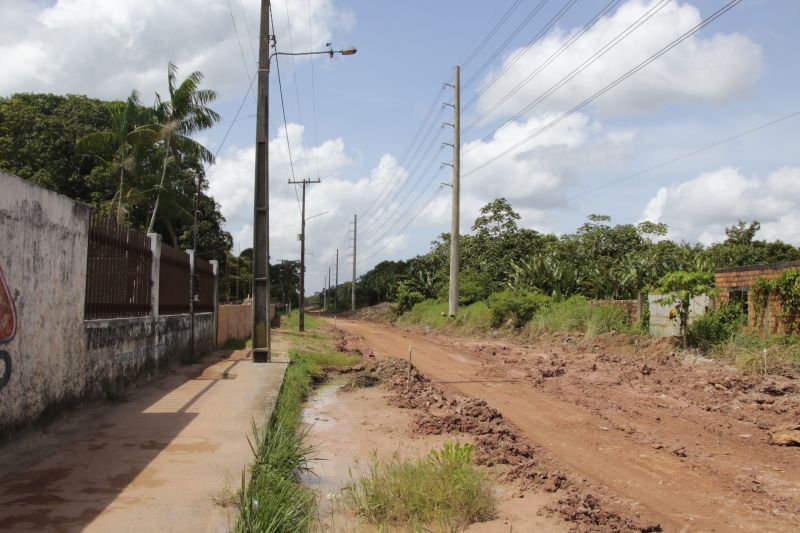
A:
(734, 286)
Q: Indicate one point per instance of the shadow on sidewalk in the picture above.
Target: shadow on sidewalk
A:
(61, 478)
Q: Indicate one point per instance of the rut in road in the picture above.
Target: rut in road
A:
(686, 465)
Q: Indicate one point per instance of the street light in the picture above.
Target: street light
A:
(261, 337)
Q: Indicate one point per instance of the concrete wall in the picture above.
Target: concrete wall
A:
(43, 246)
(662, 325)
(50, 357)
(234, 322)
(121, 349)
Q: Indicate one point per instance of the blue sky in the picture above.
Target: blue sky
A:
(736, 74)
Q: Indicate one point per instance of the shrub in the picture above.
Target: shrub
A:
(716, 327)
(407, 297)
(515, 307)
(443, 490)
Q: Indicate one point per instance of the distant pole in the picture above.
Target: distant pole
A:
(355, 241)
(456, 201)
(329, 287)
(260, 280)
(324, 294)
(336, 285)
(302, 319)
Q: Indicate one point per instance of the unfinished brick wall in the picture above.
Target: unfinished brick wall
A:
(730, 281)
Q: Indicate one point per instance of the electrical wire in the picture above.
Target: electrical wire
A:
(238, 40)
(675, 159)
(705, 22)
(514, 5)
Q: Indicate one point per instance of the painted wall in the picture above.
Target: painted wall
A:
(234, 322)
(50, 358)
(662, 325)
(43, 246)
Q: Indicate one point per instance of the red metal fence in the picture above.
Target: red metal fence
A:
(117, 270)
(173, 281)
(205, 291)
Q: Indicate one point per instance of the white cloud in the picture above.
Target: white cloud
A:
(537, 175)
(700, 69)
(231, 184)
(701, 208)
(106, 48)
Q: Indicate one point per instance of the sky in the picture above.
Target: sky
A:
(533, 127)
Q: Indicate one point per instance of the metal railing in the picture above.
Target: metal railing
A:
(173, 281)
(117, 270)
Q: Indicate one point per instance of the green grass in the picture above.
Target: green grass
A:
(577, 314)
(291, 321)
(472, 318)
(274, 500)
(746, 351)
(443, 490)
(235, 344)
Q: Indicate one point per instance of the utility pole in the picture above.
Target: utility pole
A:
(355, 241)
(261, 300)
(329, 288)
(324, 294)
(336, 286)
(456, 201)
(305, 183)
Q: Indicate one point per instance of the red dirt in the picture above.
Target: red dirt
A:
(639, 435)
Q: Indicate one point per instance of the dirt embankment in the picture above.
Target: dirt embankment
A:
(635, 432)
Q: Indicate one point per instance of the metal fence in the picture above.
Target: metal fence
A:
(205, 290)
(173, 281)
(118, 270)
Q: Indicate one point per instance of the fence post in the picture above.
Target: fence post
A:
(215, 268)
(155, 272)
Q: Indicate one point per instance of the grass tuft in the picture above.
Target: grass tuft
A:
(443, 490)
(473, 318)
(577, 314)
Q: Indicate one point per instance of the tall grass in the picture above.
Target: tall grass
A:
(274, 501)
(577, 314)
(473, 318)
(778, 354)
(443, 490)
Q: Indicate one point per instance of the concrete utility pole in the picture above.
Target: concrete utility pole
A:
(329, 288)
(355, 240)
(456, 202)
(336, 285)
(324, 293)
(261, 333)
(304, 183)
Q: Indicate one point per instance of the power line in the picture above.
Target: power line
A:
(247, 27)
(313, 90)
(546, 62)
(238, 40)
(514, 5)
(655, 8)
(525, 21)
(727, 7)
(676, 159)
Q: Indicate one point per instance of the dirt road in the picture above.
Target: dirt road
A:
(686, 443)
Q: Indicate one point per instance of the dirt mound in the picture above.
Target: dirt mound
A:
(587, 511)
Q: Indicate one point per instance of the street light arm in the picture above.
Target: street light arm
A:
(344, 52)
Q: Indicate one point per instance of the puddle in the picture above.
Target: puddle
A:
(315, 411)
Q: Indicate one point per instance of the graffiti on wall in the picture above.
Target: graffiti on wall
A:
(8, 327)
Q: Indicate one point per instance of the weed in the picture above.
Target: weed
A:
(579, 314)
(443, 490)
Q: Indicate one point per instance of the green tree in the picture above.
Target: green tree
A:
(679, 288)
(185, 112)
(121, 139)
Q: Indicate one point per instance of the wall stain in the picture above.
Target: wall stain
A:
(8, 327)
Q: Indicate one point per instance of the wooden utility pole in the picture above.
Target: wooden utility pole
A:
(456, 199)
(355, 241)
(261, 300)
(305, 183)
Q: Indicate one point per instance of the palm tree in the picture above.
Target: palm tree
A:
(186, 112)
(121, 139)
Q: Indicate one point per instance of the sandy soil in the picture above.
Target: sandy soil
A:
(641, 436)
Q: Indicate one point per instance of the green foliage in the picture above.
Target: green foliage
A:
(408, 296)
(515, 308)
(443, 490)
(577, 314)
(274, 500)
(427, 313)
(716, 326)
(679, 288)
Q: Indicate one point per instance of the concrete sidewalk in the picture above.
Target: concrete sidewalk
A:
(159, 459)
